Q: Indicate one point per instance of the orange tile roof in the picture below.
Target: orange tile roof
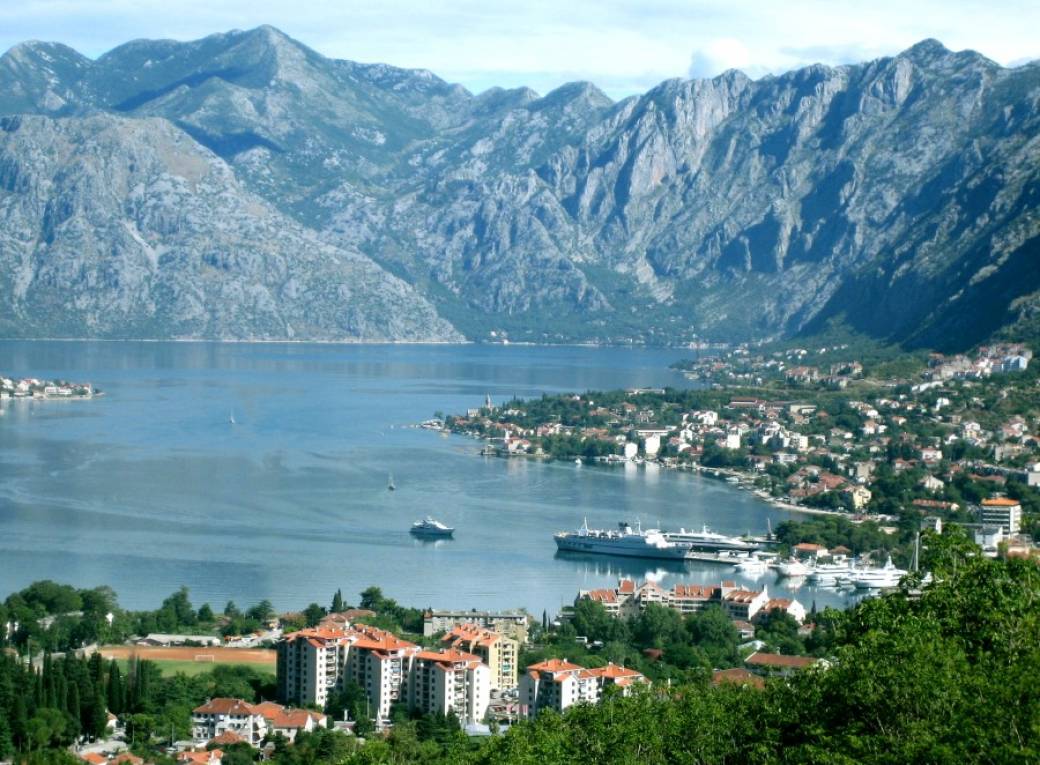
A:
(779, 660)
(448, 656)
(555, 666)
(742, 596)
(736, 676)
(227, 737)
(615, 672)
(127, 758)
(94, 758)
(627, 586)
(199, 758)
(1000, 502)
(470, 633)
(376, 639)
(225, 706)
(695, 591)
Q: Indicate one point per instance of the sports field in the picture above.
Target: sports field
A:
(193, 661)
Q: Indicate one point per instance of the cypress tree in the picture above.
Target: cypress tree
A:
(116, 692)
(337, 602)
(98, 716)
(97, 667)
(6, 740)
(74, 709)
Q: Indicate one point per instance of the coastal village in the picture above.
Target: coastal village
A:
(34, 388)
(958, 441)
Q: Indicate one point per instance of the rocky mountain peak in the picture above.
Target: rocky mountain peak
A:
(899, 194)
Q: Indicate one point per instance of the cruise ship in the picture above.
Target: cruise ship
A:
(625, 541)
(706, 539)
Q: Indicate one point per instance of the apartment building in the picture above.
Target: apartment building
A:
(313, 663)
(511, 623)
(628, 599)
(499, 652)
(558, 684)
(1003, 512)
(450, 680)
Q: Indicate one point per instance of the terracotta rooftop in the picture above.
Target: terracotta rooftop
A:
(225, 706)
(1000, 502)
(736, 676)
(760, 659)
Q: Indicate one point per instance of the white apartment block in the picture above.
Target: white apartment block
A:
(450, 681)
(313, 663)
(558, 684)
(1003, 512)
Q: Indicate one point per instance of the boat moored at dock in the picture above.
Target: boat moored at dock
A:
(624, 541)
(706, 539)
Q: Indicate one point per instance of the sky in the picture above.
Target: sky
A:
(623, 47)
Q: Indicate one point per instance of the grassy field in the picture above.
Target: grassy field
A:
(193, 661)
(170, 667)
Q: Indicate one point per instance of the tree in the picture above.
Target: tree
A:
(313, 614)
(206, 613)
(337, 602)
(261, 612)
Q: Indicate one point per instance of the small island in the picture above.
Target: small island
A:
(35, 388)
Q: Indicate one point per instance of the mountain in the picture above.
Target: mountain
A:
(897, 196)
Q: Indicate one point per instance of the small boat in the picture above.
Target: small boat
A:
(431, 528)
(231, 419)
(577, 460)
(390, 483)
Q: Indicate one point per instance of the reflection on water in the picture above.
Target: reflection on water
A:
(150, 487)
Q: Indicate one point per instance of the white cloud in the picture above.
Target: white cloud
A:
(718, 56)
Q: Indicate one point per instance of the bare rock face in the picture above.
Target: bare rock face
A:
(117, 227)
(245, 186)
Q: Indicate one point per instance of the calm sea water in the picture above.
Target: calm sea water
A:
(150, 487)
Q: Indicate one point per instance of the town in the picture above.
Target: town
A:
(957, 441)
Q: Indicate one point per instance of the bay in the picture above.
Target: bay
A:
(151, 487)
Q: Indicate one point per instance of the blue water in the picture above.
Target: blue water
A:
(150, 487)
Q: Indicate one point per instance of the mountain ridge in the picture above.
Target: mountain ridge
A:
(721, 209)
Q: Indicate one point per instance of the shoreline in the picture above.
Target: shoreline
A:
(699, 469)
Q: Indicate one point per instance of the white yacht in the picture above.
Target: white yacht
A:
(876, 578)
(830, 573)
(625, 541)
(752, 566)
(431, 528)
(792, 567)
(706, 539)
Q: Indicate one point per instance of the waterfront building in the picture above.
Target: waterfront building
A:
(628, 599)
(499, 652)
